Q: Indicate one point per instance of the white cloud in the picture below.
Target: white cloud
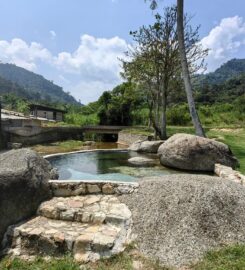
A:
(22, 54)
(88, 91)
(224, 41)
(52, 34)
(88, 71)
(94, 55)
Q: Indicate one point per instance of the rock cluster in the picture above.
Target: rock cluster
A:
(178, 218)
(24, 185)
(189, 152)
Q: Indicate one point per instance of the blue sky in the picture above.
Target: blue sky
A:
(77, 43)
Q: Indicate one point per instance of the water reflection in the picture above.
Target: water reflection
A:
(103, 165)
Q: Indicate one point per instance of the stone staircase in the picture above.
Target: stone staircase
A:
(89, 227)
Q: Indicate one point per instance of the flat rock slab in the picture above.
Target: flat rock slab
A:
(95, 209)
(142, 161)
(89, 227)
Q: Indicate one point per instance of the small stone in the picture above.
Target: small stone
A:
(108, 189)
(51, 231)
(86, 217)
(93, 188)
(59, 237)
(91, 199)
(81, 189)
(98, 218)
(67, 215)
(36, 231)
(103, 242)
(137, 265)
(62, 192)
(81, 258)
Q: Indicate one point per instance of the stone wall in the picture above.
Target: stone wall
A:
(74, 188)
(129, 138)
(228, 173)
(36, 135)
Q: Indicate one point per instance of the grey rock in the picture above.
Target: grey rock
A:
(24, 185)
(190, 152)
(141, 161)
(89, 143)
(14, 145)
(178, 218)
(145, 146)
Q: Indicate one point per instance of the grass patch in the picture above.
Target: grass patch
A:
(58, 147)
(227, 258)
(235, 138)
(123, 261)
(65, 263)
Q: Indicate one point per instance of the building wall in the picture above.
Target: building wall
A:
(45, 114)
(28, 136)
(59, 116)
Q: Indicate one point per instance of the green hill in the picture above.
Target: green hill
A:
(225, 72)
(34, 87)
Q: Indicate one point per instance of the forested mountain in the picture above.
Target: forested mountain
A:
(228, 70)
(224, 85)
(8, 87)
(34, 87)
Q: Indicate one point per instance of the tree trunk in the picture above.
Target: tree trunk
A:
(185, 71)
(163, 116)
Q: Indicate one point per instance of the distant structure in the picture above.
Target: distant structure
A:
(46, 113)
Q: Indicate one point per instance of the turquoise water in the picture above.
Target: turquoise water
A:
(104, 165)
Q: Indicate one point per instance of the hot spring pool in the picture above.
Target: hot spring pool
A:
(111, 165)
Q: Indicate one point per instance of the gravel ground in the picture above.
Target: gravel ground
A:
(177, 218)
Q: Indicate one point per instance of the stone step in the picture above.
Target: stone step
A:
(96, 209)
(46, 237)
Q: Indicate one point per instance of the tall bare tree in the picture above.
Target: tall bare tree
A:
(184, 64)
(185, 69)
(155, 63)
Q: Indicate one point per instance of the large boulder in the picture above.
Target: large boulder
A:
(24, 185)
(178, 218)
(190, 152)
(145, 146)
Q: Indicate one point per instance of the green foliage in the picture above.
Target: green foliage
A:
(31, 86)
(115, 107)
(13, 102)
(79, 119)
(179, 115)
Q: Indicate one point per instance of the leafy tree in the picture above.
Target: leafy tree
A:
(155, 63)
(115, 107)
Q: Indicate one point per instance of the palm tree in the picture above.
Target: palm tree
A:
(185, 71)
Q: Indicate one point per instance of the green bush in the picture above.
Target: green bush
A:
(81, 120)
(179, 115)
